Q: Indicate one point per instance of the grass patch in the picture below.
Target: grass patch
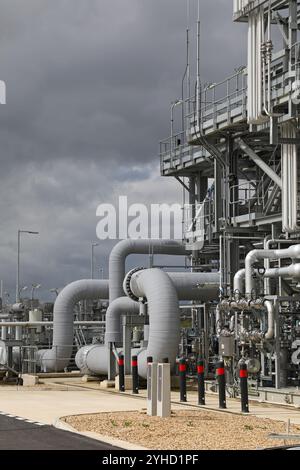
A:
(248, 427)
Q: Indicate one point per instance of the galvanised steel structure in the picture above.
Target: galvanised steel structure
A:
(237, 158)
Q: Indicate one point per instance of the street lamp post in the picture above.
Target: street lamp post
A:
(18, 262)
(92, 259)
(55, 290)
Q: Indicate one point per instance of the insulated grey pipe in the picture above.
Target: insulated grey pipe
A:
(57, 358)
(34, 324)
(238, 282)
(195, 286)
(189, 286)
(254, 256)
(164, 316)
(119, 307)
(93, 359)
(292, 271)
(271, 320)
(124, 248)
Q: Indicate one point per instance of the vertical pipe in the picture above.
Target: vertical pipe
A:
(18, 270)
(201, 383)
(135, 376)
(182, 379)
(198, 67)
(18, 333)
(244, 388)
(220, 371)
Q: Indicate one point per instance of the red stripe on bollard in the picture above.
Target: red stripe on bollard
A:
(200, 370)
(134, 363)
(182, 367)
(243, 374)
(121, 362)
(220, 371)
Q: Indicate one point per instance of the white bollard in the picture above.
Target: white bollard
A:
(152, 389)
(163, 390)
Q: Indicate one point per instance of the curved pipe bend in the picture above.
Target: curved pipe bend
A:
(253, 256)
(271, 320)
(58, 357)
(164, 316)
(119, 307)
(124, 248)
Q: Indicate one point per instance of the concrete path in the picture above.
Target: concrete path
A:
(49, 405)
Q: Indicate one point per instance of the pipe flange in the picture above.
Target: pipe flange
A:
(126, 283)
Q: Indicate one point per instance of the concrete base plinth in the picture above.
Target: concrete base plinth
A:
(89, 378)
(30, 380)
(107, 384)
(128, 382)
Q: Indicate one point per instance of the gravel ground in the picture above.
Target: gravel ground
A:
(185, 430)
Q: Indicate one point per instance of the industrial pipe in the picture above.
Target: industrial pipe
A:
(119, 307)
(57, 358)
(238, 282)
(164, 316)
(124, 248)
(254, 256)
(249, 305)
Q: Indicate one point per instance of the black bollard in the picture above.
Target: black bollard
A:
(182, 379)
(165, 360)
(121, 374)
(149, 360)
(135, 376)
(244, 388)
(222, 384)
(201, 383)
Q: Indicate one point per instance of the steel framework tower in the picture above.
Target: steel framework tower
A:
(237, 158)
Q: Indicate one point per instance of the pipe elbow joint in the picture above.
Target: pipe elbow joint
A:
(294, 251)
(296, 270)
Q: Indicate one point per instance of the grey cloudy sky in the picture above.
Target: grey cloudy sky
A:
(89, 83)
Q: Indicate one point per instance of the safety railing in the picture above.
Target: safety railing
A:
(245, 198)
(200, 110)
(295, 60)
(221, 104)
(219, 99)
(198, 219)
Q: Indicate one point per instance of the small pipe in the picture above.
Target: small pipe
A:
(238, 282)
(28, 324)
(271, 320)
(254, 256)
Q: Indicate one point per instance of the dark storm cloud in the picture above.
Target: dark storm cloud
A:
(89, 87)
